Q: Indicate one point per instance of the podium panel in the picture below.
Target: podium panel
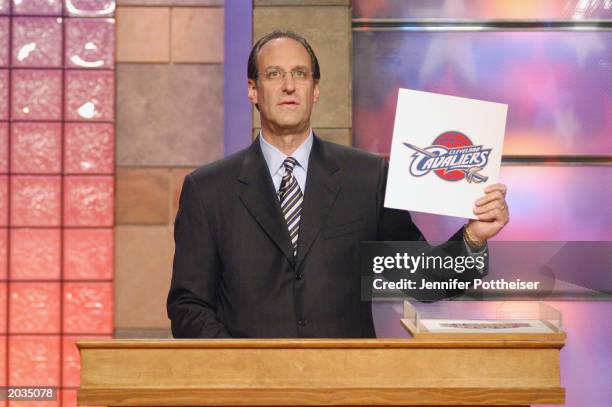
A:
(318, 372)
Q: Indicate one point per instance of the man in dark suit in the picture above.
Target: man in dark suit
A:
(267, 239)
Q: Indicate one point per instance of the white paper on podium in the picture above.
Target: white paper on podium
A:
(445, 151)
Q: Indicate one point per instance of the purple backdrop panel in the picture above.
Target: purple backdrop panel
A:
(237, 109)
(482, 9)
(546, 203)
(37, 42)
(557, 84)
(4, 6)
(90, 43)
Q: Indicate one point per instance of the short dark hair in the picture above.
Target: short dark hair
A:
(253, 72)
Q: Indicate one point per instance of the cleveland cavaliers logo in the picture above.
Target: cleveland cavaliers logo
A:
(452, 156)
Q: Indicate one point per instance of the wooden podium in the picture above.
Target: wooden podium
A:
(317, 372)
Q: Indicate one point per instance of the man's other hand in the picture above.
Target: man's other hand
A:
(492, 212)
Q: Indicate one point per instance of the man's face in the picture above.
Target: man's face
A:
(284, 105)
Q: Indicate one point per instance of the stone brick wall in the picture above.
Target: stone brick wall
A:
(169, 121)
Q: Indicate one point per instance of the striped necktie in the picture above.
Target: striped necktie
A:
(291, 197)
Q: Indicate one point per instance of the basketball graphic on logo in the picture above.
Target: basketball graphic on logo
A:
(452, 139)
(452, 157)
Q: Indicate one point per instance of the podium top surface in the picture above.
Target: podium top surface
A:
(509, 342)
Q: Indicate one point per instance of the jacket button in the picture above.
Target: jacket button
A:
(302, 322)
(298, 276)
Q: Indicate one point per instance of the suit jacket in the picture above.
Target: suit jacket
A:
(234, 273)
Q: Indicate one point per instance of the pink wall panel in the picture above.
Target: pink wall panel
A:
(34, 359)
(35, 200)
(35, 254)
(55, 403)
(4, 41)
(34, 308)
(37, 94)
(37, 42)
(90, 8)
(89, 95)
(3, 264)
(89, 148)
(38, 7)
(3, 361)
(36, 148)
(56, 188)
(90, 43)
(4, 94)
(3, 200)
(88, 308)
(3, 316)
(70, 362)
(4, 138)
(88, 201)
(69, 398)
(88, 254)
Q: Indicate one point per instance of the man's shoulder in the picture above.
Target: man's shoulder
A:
(352, 156)
(219, 171)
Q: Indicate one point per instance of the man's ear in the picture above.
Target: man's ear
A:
(316, 92)
(252, 91)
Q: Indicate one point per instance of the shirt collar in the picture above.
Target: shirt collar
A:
(274, 157)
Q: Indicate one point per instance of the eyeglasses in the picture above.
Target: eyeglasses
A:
(276, 75)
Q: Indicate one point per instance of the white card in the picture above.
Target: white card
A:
(445, 151)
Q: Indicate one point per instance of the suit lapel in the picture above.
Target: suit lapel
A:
(319, 197)
(259, 198)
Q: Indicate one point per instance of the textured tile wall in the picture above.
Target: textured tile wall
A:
(143, 34)
(197, 35)
(56, 187)
(144, 251)
(169, 121)
(169, 115)
(142, 196)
